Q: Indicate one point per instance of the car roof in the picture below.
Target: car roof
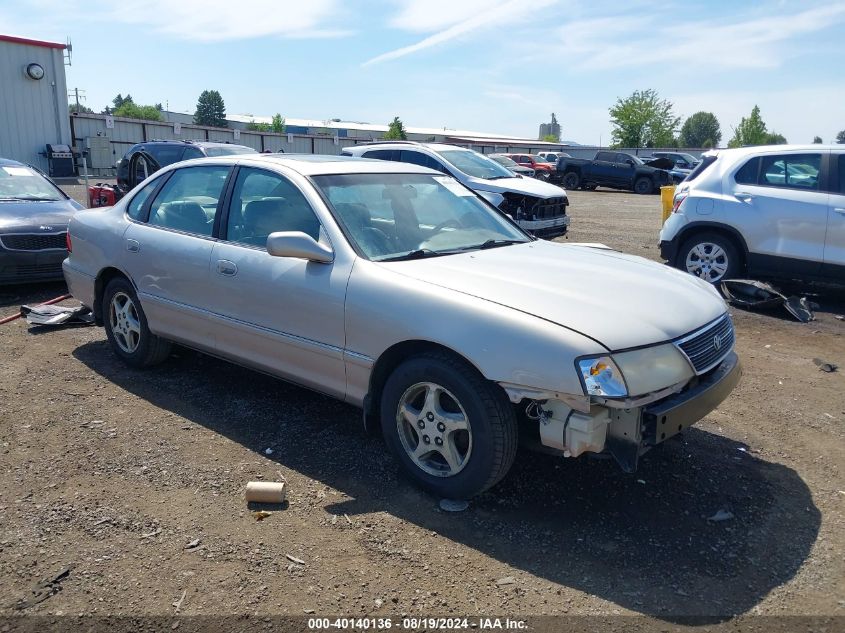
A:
(318, 164)
(773, 149)
(436, 147)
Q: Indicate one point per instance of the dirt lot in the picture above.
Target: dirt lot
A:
(135, 479)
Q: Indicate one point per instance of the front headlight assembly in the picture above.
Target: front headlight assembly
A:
(601, 377)
(634, 373)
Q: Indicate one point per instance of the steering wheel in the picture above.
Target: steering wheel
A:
(445, 223)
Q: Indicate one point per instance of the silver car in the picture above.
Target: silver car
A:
(397, 289)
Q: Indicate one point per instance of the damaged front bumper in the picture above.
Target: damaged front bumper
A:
(627, 433)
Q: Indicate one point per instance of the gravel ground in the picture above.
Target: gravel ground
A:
(135, 480)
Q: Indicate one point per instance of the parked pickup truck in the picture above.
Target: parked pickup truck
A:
(610, 169)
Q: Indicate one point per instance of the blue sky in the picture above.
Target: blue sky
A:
(498, 66)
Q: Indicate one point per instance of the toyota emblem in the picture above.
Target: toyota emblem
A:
(717, 342)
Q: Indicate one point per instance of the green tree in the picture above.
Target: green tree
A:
(132, 110)
(817, 140)
(753, 131)
(258, 127)
(700, 130)
(210, 109)
(81, 108)
(840, 138)
(396, 131)
(277, 124)
(119, 100)
(643, 120)
(550, 138)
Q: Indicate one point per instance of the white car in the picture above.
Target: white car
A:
(537, 207)
(399, 290)
(771, 211)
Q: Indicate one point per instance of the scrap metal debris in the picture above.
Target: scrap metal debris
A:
(294, 559)
(42, 590)
(824, 366)
(260, 515)
(57, 315)
(757, 295)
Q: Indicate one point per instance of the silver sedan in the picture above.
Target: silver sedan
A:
(399, 290)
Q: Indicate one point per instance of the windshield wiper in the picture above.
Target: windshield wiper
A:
(420, 253)
(29, 198)
(496, 243)
(499, 177)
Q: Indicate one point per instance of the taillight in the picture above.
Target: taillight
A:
(68, 243)
(676, 204)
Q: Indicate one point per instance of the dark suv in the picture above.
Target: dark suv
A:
(150, 156)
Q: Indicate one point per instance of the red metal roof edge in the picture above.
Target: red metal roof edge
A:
(23, 40)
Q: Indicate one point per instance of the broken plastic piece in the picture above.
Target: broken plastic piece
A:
(757, 295)
(56, 315)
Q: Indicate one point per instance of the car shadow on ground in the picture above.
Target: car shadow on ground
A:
(29, 294)
(645, 541)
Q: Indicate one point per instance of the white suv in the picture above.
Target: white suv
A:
(537, 207)
(771, 211)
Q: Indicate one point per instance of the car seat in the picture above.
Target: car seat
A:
(183, 215)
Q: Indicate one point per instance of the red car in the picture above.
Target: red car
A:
(542, 169)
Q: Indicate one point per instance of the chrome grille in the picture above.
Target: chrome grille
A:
(33, 241)
(707, 347)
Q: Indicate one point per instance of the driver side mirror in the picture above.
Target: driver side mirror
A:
(299, 245)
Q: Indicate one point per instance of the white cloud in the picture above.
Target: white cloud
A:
(432, 15)
(612, 43)
(200, 20)
(507, 13)
(217, 20)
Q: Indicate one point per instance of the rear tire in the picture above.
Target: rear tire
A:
(710, 256)
(571, 180)
(453, 432)
(643, 186)
(126, 327)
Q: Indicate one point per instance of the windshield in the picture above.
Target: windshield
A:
(475, 164)
(18, 182)
(504, 160)
(228, 150)
(406, 216)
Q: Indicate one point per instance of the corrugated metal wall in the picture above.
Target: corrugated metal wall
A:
(127, 132)
(32, 113)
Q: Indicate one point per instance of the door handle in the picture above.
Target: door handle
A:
(225, 267)
(838, 210)
(133, 246)
(744, 197)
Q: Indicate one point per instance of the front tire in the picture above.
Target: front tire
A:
(571, 180)
(709, 256)
(126, 327)
(453, 432)
(643, 186)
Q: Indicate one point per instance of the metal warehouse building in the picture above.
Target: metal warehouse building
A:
(33, 99)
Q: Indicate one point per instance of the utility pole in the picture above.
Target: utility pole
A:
(76, 95)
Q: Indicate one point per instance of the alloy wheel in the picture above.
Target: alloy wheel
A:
(434, 429)
(708, 261)
(124, 322)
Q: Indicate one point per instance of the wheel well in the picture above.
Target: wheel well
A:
(389, 360)
(103, 279)
(726, 233)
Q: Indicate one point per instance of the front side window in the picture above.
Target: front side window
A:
(475, 164)
(793, 171)
(188, 201)
(264, 202)
(389, 216)
(382, 154)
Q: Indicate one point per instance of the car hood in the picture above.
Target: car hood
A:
(24, 216)
(619, 300)
(525, 186)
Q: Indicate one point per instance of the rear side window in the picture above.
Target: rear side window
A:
(747, 174)
(608, 156)
(188, 201)
(192, 152)
(418, 158)
(705, 163)
(382, 154)
(842, 173)
(792, 171)
(166, 154)
(136, 205)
